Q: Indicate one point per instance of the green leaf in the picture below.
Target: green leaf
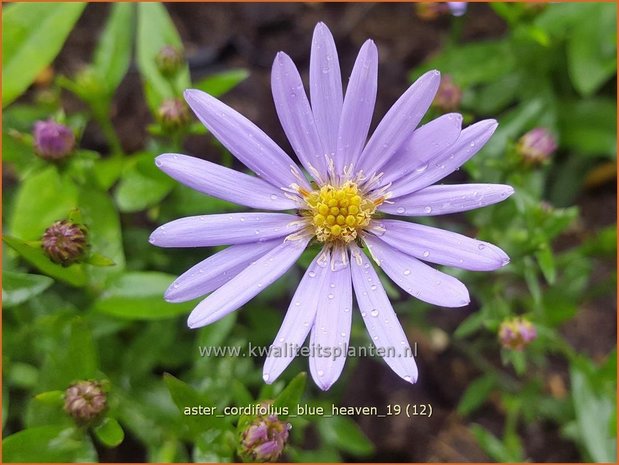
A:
(291, 395)
(186, 397)
(53, 443)
(546, 261)
(139, 296)
(109, 432)
(456, 62)
(73, 274)
(142, 185)
(216, 333)
(41, 199)
(20, 287)
(345, 434)
(113, 53)
(593, 416)
(589, 126)
(592, 49)
(96, 259)
(156, 30)
(491, 445)
(220, 83)
(32, 36)
(51, 397)
(476, 394)
(471, 324)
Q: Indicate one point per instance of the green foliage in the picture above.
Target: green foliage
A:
(105, 319)
(32, 36)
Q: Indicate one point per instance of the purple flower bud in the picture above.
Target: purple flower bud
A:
(537, 145)
(85, 401)
(264, 439)
(173, 114)
(448, 96)
(53, 141)
(169, 60)
(457, 8)
(65, 242)
(516, 333)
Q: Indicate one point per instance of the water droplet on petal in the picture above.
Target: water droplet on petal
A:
(407, 272)
(428, 209)
(426, 253)
(407, 378)
(401, 210)
(273, 197)
(159, 163)
(312, 274)
(373, 287)
(481, 246)
(374, 313)
(330, 296)
(265, 377)
(321, 373)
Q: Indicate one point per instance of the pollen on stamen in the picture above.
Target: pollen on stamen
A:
(337, 214)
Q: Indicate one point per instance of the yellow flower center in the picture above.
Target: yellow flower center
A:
(338, 213)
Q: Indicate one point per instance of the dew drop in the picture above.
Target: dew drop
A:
(176, 285)
(312, 274)
(265, 377)
(367, 265)
(298, 303)
(407, 379)
(332, 285)
(347, 309)
(407, 272)
(421, 168)
(428, 209)
(273, 197)
(321, 373)
(159, 163)
(257, 231)
(242, 219)
(401, 210)
(375, 338)
(330, 296)
(373, 287)
(481, 246)
(281, 339)
(363, 314)
(374, 313)
(343, 334)
(426, 253)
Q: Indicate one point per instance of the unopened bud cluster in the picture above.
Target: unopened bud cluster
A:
(173, 114)
(264, 439)
(516, 333)
(85, 401)
(65, 242)
(53, 141)
(536, 146)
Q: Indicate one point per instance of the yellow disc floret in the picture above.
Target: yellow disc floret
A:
(338, 213)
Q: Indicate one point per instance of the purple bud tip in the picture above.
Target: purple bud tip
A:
(264, 439)
(537, 145)
(65, 242)
(85, 401)
(448, 95)
(169, 60)
(53, 141)
(173, 114)
(516, 333)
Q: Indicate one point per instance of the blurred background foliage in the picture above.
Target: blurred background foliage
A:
(527, 65)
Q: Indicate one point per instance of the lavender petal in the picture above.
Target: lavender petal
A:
(442, 247)
(379, 318)
(295, 114)
(399, 122)
(244, 140)
(425, 143)
(471, 140)
(331, 328)
(358, 107)
(445, 199)
(216, 270)
(224, 229)
(224, 183)
(417, 278)
(249, 282)
(297, 323)
(325, 86)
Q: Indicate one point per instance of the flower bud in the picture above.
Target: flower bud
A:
(85, 401)
(429, 11)
(457, 8)
(264, 439)
(169, 60)
(53, 141)
(173, 115)
(448, 95)
(516, 333)
(537, 145)
(65, 242)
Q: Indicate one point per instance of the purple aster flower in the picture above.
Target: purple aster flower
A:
(356, 182)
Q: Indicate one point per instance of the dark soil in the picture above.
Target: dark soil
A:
(222, 36)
